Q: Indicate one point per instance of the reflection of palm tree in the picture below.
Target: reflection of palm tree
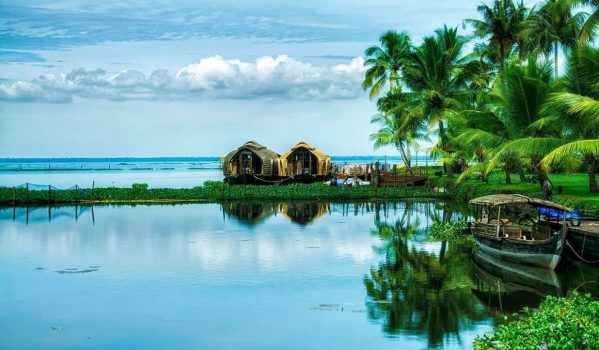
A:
(413, 291)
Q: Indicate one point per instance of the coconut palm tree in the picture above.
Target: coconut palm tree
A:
(577, 110)
(385, 62)
(591, 23)
(520, 97)
(393, 131)
(438, 73)
(554, 24)
(502, 24)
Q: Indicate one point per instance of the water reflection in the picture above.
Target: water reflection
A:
(194, 270)
(418, 291)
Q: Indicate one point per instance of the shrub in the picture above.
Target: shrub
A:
(559, 323)
(139, 187)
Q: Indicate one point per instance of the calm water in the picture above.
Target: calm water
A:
(252, 276)
(182, 172)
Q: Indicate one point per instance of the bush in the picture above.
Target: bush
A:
(560, 323)
(139, 187)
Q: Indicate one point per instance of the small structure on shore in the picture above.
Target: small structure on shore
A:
(249, 163)
(303, 160)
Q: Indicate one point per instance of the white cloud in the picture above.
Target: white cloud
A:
(211, 77)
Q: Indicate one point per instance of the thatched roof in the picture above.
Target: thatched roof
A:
(319, 155)
(269, 158)
(503, 199)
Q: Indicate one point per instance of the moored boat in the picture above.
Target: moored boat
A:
(511, 227)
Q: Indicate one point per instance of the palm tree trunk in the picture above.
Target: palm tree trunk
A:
(555, 49)
(592, 169)
(447, 169)
(520, 171)
(405, 157)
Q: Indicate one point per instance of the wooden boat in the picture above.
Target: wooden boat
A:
(510, 227)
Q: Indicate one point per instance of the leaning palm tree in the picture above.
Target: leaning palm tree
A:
(554, 24)
(385, 62)
(502, 24)
(438, 74)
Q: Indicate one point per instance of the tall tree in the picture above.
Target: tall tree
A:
(591, 23)
(577, 110)
(502, 24)
(438, 73)
(385, 62)
(554, 24)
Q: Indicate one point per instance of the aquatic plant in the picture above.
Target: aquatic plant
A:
(559, 323)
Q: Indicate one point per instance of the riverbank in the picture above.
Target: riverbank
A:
(210, 192)
(574, 193)
(574, 189)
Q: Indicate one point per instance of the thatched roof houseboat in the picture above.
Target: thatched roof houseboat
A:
(251, 159)
(303, 159)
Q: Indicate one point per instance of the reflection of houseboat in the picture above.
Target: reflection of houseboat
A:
(510, 286)
(305, 163)
(251, 163)
(250, 213)
(510, 227)
(304, 212)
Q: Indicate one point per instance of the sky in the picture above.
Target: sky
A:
(195, 78)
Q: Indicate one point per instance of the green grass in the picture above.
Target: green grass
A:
(575, 189)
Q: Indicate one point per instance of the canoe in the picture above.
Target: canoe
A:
(540, 253)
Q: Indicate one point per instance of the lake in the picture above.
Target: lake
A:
(160, 172)
(300, 275)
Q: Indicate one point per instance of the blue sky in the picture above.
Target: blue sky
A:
(194, 78)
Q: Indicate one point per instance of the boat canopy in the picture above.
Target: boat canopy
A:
(495, 200)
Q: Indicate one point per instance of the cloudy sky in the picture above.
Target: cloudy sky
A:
(194, 78)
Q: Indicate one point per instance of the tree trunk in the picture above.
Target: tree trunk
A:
(508, 179)
(555, 49)
(520, 171)
(405, 157)
(592, 176)
(447, 169)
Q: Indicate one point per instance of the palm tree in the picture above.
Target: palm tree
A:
(589, 27)
(554, 24)
(385, 62)
(577, 110)
(502, 25)
(520, 97)
(393, 132)
(437, 74)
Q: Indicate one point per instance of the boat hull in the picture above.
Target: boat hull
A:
(585, 243)
(543, 253)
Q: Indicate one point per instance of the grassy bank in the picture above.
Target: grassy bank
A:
(575, 189)
(210, 192)
(575, 192)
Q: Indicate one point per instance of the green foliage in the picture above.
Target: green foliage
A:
(559, 323)
(447, 231)
(139, 186)
(210, 192)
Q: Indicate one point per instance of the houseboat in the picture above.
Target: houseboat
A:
(512, 227)
(304, 163)
(251, 163)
